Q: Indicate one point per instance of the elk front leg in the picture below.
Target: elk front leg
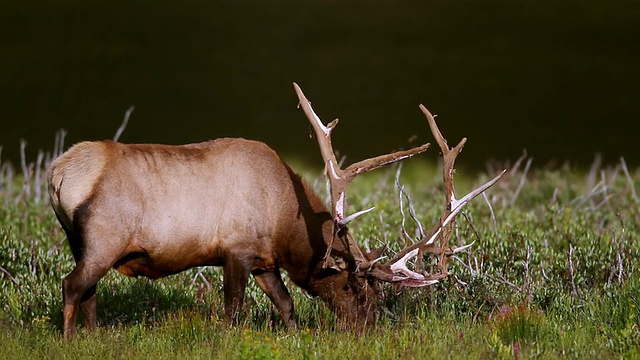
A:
(235, 273)
(271, 283)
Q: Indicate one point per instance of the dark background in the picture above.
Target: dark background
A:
(559, 78)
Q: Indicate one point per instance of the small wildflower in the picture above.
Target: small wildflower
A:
(504, 311)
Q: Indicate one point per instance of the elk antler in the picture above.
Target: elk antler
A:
(396, 270)
(339, 179)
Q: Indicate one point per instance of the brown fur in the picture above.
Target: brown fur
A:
(155, 210)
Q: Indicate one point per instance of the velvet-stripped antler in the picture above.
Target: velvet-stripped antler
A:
(339, 178)
(396, 270)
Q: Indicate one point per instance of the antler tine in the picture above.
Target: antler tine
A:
(323, 133)
(426, 244)
(333, 172)
(379, 161)
(448, 156)
(397, 265)
(339, 179)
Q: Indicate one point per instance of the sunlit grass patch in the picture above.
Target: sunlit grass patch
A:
(553, 273)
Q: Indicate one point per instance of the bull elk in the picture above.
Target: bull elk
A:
(156, 210)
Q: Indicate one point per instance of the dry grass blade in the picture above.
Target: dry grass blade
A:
(629, 180)
(125, 121)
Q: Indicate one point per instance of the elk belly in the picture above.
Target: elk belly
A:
(139, 264)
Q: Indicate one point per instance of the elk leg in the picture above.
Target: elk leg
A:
(74, 287)
(236, 274)
(88, 307)
(271, 283)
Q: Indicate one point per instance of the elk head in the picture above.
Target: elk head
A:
(361, 273)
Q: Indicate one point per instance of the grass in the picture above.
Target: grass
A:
(553, 274)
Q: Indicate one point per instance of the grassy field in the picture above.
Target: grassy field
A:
(553, 274)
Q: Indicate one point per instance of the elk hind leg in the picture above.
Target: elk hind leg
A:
(88, 307)
(79, 288)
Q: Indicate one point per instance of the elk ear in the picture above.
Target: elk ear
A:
(376, 253)
(336, 263)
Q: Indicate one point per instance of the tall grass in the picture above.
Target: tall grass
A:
(553, 273)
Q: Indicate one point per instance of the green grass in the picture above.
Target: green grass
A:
(555, 275)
